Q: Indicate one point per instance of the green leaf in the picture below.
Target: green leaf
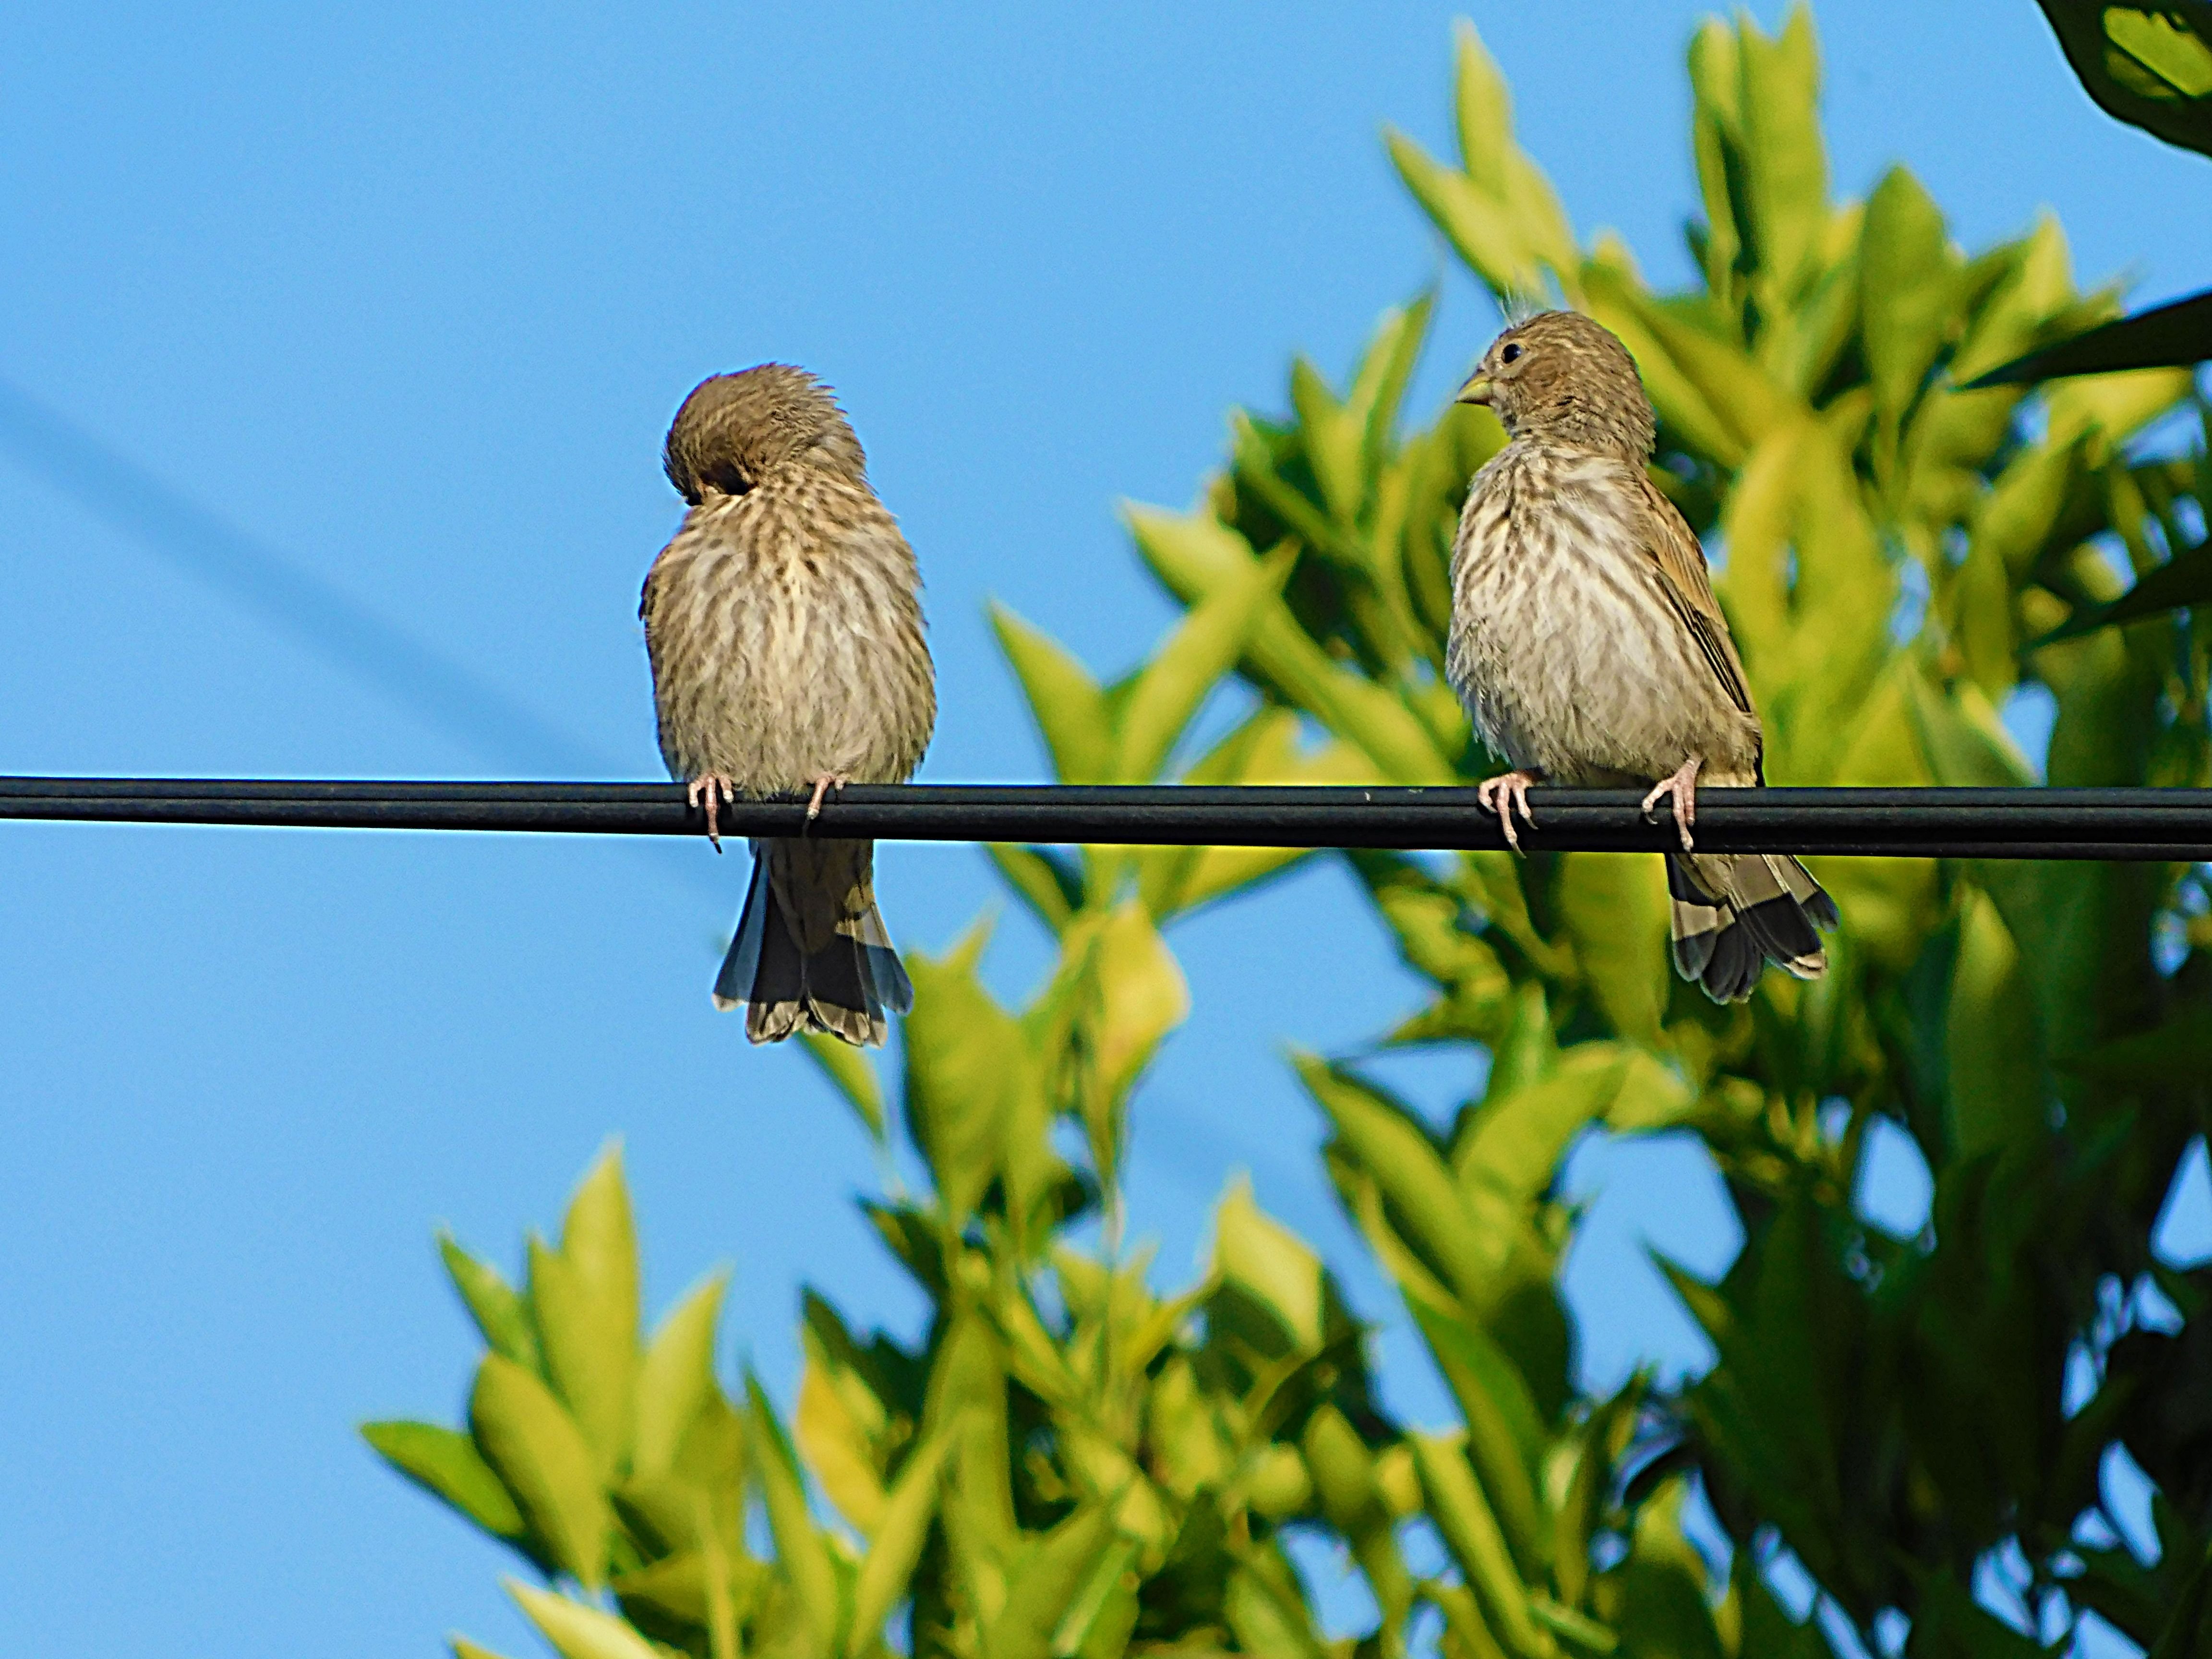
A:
(1996, 1093)
(498, 1309)
(900, 1533)
(2172, 336)
(578, 1631)
(1405, 1168)
(1069, 708)
(1331, 435)
(1205, 646)
(1381, 383)
(853, 1075)
(593, 1373)
(1049, 1572)
(540, 1457)
(1904, 287)
(1195, 555)
(1506, 1437)
(1271, 1265)
(2188, 1630)
(1614, 909)
(464, 1648)
(1048, 881)
(968, 1075)
(800, 1549)
(448, 1465)
(2145, 62)
(2182, 581)
(1482, 228)
(677, 1378)
(1471, 1532)
(1786, 161)
(584, 1299)
(2178, 1051)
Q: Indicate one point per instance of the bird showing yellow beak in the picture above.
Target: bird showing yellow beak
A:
(1476, 391)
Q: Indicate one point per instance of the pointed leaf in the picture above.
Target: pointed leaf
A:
(1905, 285)
(500, 1314)
(800, 1549)
(1206, 645)
(900, 1533)
(853, 1075)
(677, 1378)
(1065, 701)
(541, 1458)
(578, 1631)
(449, 1466)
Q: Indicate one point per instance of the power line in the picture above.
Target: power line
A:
(2157, 824)
(331, 622)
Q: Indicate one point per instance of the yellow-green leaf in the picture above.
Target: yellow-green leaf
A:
(1065, 701)
(449, 1466)
(677, 1378)
(578, 1631)
(853, 1075)
(535, 1448)
(900, 1532)
(800, 1549)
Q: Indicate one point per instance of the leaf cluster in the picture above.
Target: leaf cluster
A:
(1067, 1460)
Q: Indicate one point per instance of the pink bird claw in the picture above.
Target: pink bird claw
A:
(709, 795)
(1505, 794)
(822, 786)
(1683, 788)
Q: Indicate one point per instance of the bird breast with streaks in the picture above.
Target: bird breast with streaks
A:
(1564, 645)
(788, 642)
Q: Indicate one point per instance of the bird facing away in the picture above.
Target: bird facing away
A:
(1588, 645)
(784, 626)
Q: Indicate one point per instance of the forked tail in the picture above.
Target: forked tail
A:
(812, 953)
(1733, 913)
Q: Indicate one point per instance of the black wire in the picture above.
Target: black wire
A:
(2161, 824)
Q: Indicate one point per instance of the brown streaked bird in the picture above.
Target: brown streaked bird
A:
(784, 626)
(1588, 645)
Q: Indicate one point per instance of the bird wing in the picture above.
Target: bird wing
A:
(1688, 585)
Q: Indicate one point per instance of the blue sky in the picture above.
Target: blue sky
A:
(408, 296)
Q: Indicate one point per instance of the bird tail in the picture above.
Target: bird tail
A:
(1733, 915)
(812, 953)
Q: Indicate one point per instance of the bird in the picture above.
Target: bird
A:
(1588, 647)
(783, 628)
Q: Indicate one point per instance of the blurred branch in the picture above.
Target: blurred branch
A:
(2172, 336)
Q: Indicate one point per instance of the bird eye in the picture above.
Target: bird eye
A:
(1510, 353)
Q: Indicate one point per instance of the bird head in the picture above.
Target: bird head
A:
(735, 429)
(1562, 377)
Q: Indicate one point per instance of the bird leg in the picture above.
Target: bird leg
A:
(1502, 794)
(822, 786)
(1683, 786)
(710, 793)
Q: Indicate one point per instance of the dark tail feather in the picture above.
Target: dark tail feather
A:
(810, 953)
(1766, 909)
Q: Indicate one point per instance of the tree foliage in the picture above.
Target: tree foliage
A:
(1069, 1462)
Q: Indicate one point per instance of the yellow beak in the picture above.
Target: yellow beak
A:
(1476, 391)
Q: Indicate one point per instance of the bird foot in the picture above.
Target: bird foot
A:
(1504, 795)
(710, 794)
(1683, 786)
(822, 786)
